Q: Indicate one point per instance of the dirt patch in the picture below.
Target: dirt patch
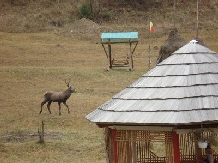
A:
(84, 28)
(24, 137)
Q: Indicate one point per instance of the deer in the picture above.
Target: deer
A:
(59, 97)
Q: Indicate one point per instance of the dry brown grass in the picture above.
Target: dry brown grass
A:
(32, 64)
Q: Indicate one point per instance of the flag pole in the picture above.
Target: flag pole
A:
(174, 14)
(149, 47)
(197, 32)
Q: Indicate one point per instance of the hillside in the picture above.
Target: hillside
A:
(63, 16)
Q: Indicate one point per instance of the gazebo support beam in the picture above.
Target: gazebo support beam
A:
(130, 56)
(115, 146)
(198, 150)
(176, 147)
(109, 56)
(134, 154)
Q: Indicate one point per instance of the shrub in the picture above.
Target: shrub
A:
(85, 11)
(106, 15)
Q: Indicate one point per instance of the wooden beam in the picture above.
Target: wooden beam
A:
(176, 150)
(199, 125)
(197, 149)
(130, 57)
(144, 128)
(115, 146)
(105, 50)
(122, 42)
(134, 153)
(109, 55)
(132, 126)
(135, 47)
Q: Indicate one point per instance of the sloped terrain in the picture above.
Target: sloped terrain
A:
(62, 17)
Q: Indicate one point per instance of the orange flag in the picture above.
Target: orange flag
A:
(151, 27)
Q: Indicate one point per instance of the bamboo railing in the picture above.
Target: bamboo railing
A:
(137, 146)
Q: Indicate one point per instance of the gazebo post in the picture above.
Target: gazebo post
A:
(130, 56)
(134, 157)
(176, 147)
(198, 153)
(198, 150)
(115, 146)
(109, 55)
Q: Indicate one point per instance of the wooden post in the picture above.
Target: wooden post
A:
(149, 58)
(176, 147)
(197, 30)
(115, 146)
(149, 49)
(41, 133)
(174, 14)
(106, 56)
(134, 156)
(130, 56)
(197, 149)
(109, 55)
(107, 133)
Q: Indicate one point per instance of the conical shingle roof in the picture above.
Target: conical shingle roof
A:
(182, 89)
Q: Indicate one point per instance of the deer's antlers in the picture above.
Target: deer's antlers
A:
(68, 83)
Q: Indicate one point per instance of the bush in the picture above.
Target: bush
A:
(85, 11)
(107, 15)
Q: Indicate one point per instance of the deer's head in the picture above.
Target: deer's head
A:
(70, 88)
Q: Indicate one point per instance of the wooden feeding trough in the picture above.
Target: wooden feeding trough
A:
(117, 38)
(161, 117)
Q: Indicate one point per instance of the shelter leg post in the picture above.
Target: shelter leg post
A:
(198, 150)
(176, 147)
(115, 146)
(109, 56)
(130, 57)
(134, 158)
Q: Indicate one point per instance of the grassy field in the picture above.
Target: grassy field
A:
(33, 63)
(30, 65)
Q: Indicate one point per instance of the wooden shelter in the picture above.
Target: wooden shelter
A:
(116, 38)
(156, 118)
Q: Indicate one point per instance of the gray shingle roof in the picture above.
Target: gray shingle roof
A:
(182, 89)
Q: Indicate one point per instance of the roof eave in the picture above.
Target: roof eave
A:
(208, 124)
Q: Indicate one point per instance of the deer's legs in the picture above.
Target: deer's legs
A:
(59, 104)
(67, 107)
(43, 102)
(48, 106)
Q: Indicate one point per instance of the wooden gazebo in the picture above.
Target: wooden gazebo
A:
(118, 38)
(155, 119)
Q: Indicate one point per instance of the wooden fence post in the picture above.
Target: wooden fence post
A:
(41, 133)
